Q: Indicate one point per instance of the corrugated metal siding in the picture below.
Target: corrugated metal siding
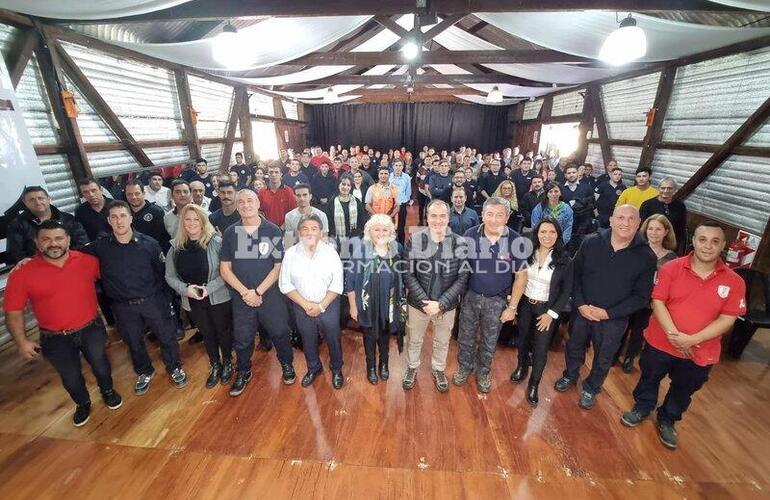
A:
(59, 182)
(290, 110)
(261, 104)
(106, 163)
(168, 155)
(92, 128)
(594, 157)
(711, 99)
(213, 102)
(35, 107)
(567, 104)
(213, 155)
(532, 109)
(143, 97)
(625, 104)
(628, 160)
(7, 36)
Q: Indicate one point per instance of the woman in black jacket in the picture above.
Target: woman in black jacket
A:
(549, 285)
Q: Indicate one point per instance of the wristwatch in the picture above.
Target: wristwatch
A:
(322, 308)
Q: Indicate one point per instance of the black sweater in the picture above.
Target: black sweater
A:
(620, 282)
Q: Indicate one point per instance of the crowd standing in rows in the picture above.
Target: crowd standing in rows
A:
(289, 251)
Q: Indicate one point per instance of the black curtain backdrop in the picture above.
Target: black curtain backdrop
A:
(413, 125)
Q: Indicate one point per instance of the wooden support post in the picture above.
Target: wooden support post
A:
(546, 108)
(245, 120)
(20, 54)
(601, 124)
(101, 107)
(232, 124)
(185, 103)
(69, 131)
(586, 126)
(752, 123)
(660, 108)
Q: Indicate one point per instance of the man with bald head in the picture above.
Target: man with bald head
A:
(614, 270)
(198, 192)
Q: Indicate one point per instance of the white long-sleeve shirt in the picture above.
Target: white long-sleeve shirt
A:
(311, 275)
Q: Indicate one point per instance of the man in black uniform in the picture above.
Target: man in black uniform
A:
(227, 215)
(522, 178)
(148, 217)
(607, 194)
(92, 213)
(133, 273)
(250, 263)
(203, 176)
(245, 172)
(37, 209)
(530, 199)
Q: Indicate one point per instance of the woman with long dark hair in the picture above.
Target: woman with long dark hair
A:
(549, 285)
(345, 212)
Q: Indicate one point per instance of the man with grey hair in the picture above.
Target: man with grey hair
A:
(198, 192)
(496, 253)
(674, 210)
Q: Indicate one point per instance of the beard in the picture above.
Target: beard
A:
(54, 252)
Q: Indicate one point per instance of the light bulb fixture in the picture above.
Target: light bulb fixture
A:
(331, 96)
(410, 50)
(625, 44)
(495, 96)
(226, 47)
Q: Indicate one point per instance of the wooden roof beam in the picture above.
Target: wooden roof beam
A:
(436, 57)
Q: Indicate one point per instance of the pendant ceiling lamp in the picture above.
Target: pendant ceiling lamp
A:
(625, 44)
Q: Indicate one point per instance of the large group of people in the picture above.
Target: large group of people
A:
(290, 251)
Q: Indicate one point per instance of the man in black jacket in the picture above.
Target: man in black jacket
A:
(675, 210)
(23, 229)
(614, 272)
(148, 217)
(435, 282)
(530, 199)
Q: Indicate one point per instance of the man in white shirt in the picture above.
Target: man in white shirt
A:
(303, 195)
(156, 192)
(311, 276)
(198, 191)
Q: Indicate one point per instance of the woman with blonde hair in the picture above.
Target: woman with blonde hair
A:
(507, 191)
(192, 271)
(659, 233)
(375, 288)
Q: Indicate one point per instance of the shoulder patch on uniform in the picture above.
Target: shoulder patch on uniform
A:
(723, 291)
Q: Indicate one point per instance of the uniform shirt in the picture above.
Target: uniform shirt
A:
(207, 184)
(608, 197)
(252, 255)
(221, 221)
(291, 221)
(276, 204)
(694, 303)
(149, 220)
(459, 222)
(62, 298)
(132, 270)
(634, 196)
(522, 182)
(293, 180)
(492, 266)
(244, 172)
(489, 182)
(312, 276)
(95, 223)
(438, 184)
(161, 197)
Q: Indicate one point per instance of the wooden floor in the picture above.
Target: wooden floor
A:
(366, 441)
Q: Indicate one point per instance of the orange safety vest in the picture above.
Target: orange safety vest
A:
(383, 203)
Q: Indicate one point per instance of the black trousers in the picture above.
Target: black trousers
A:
(63, 352)
(401, 227)
(374, 343)
(215, 322)
(637, 322)
(310, 328)
(272, 316)
(532, 340)
(135, 317)
(422, 202)
(686, 378)
(605, 336)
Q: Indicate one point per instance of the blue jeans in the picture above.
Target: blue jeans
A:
(308, 327)
(63, 352)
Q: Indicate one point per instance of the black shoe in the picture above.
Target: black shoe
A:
(384, 372)
(563, 384)
(179, 334)
(632, 418)
(112, 399)
(338, 380)
(197, 338)
(667, 435)
(310, 376)
(227, 373)
(288, 374)
(214, 374)
(371, 375)
(587, 400)
(628, 365)
(532, 394)
(82, 413)
(264, 345)
(519, 373)
(239, 385)
(152, 337)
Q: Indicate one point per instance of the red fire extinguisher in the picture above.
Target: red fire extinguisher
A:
(736, 251)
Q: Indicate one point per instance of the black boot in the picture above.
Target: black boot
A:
(519, 373)
(371, 373)
(227, 372)
(628, 365)
(214, 374)
(532, 393)
(384, 372)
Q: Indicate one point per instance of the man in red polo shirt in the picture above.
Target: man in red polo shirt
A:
(59, 284)
(277, 199)
(695, 301)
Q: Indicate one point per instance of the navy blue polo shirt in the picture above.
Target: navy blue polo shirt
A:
(244, 172)
(95, 223)
(493, 266)
(132, 270)
(608, 196)
(207, 184)
(252, 255)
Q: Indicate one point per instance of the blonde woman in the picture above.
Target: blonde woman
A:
(659, 233)
(375, 288)
(192, 271)
(507, 191)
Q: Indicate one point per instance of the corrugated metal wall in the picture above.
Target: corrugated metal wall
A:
(213, 155)
(92, 128)
(58, 179)
(168, 155)
(35, 106)
(594, 157)
(213, 102)
(531, 109)
(569, 103)
(106, 163)
(7, 34)
(625, 105)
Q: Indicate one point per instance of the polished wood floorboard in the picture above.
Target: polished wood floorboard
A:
(367, 441)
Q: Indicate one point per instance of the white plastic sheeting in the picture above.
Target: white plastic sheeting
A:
(213, 102)
(262, 42)
(583, 33)
(733, 86)
(568, 103)
(626, 103)
(143, 97)
(480, 99)
(87, 9)
(758, 5)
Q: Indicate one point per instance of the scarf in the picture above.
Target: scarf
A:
(339, 216)
(396, 299)
(555, 212)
